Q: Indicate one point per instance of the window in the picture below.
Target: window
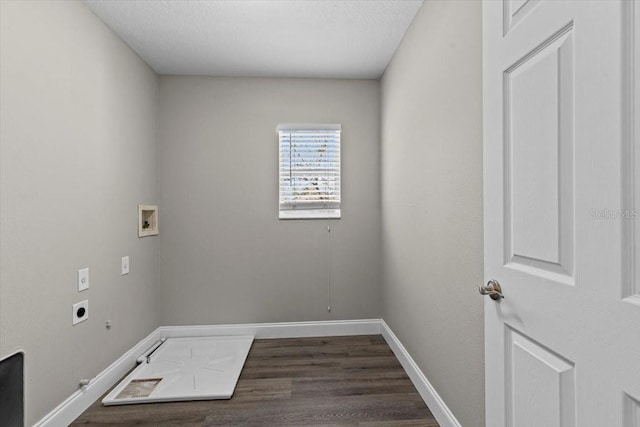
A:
(309, 171)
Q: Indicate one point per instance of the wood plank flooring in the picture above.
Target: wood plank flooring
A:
(329, 381)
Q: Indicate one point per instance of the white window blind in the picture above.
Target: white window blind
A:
(309, 171)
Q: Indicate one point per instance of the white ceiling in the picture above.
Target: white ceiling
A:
(261, 38)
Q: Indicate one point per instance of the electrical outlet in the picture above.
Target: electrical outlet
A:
(83, 279)
(125, 265)
(80, 311)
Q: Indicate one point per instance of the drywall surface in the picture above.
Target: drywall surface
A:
(432, 200)
(78, 153)
(225, 256)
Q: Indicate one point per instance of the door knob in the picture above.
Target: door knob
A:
(493, 289)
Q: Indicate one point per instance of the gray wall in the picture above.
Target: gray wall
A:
(225, 256)
(432, 200)
(78, 153)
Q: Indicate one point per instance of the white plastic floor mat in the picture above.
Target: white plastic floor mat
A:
(185, 369)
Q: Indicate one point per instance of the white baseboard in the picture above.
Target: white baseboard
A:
(84, 397)
(332, 328)
(436, 405)
(79, 401)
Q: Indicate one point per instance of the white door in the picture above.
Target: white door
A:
(562, 193)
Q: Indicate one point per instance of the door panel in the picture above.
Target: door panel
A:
(538, 111)
(515, 10)
(633, 113)
(562, 180)
(632, 412)
(631, 152)
(540, 385)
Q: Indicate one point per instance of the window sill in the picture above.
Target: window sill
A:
(310, 214)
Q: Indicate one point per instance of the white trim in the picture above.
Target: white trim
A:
(78, 402)
(278, 330)
(308, 126)
(309, 214)
(436, 405)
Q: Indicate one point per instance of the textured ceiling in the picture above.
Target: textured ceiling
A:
(270, 38)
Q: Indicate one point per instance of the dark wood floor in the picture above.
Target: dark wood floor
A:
(332, 381)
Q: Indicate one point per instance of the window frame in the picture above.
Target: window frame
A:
(309, 212)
